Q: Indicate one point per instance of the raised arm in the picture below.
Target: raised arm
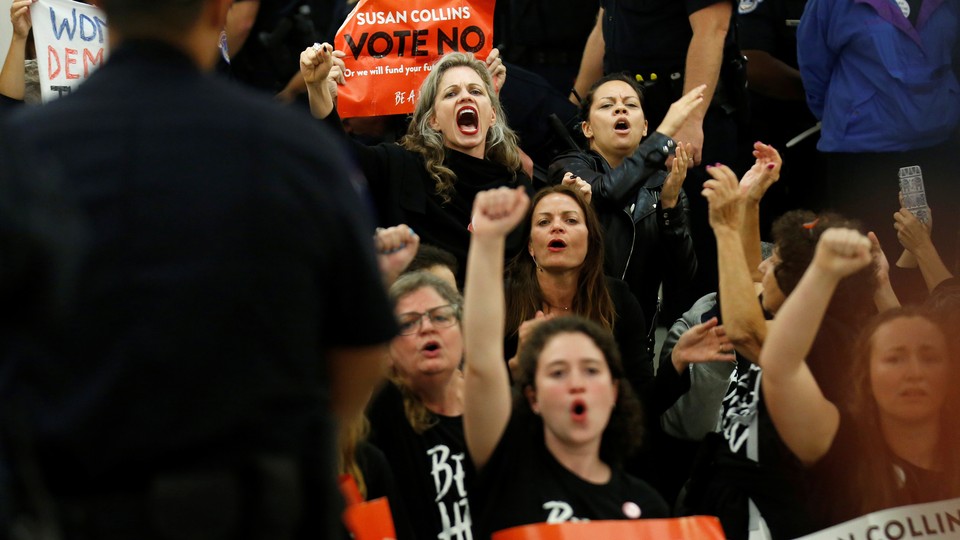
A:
(317, 64)
(742, 315)
(396, 247)
(12, 80)
(591, 65)
(497, 69)
(884, 297)
(754, 184)
(915, 238)
(806, 421)
(487, 402)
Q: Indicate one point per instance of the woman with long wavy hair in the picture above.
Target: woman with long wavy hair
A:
(561, 273)
(457, 144)
(564, 435)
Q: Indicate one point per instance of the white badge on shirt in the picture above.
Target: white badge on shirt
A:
(746, 6)
(904, 7)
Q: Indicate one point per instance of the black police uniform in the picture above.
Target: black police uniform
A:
(546, 37)
(771, 26)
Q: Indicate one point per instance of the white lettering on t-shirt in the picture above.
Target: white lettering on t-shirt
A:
(740, 407)
(455, 520)
(560, 512)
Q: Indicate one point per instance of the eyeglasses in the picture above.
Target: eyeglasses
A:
(440, 317)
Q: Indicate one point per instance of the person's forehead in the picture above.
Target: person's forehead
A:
(615, 89)
(460, 75)
(423, 298)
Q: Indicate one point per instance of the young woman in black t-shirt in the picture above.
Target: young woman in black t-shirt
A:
(896, 443)
(554, 454)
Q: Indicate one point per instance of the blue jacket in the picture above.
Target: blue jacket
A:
(877, 83)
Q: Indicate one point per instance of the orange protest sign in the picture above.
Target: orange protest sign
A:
(685, 528)
(391, 45)
(370, 520)
(366, 520)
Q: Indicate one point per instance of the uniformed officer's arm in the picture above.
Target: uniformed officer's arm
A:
(762, 25)
(772, 77)
(591, 65)
(704, 58)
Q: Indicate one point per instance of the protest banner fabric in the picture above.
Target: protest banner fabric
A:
(931, 520)
(685, 528)
(390, 46)
(71, 41)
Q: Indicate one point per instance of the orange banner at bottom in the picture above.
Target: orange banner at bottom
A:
(370, 520)
(685, 528)
(366, 520)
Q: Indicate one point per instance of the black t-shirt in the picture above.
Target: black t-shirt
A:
(750, 462)
(835, 488)
(432, 469)
(523, 483)
(629, 331)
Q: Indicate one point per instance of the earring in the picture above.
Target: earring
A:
(535, 263)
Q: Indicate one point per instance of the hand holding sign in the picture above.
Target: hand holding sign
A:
(498, 71)
(71, 41)
(316, 62)
(20, 18)
(392, 45)
(321, 68)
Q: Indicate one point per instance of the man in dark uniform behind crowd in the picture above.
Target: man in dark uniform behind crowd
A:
(545, 36)
(778, 106)
(672, 47)
(228, 303)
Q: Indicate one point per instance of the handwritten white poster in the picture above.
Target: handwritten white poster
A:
(71, 40)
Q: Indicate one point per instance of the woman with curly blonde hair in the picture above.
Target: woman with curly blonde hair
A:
(457, 144)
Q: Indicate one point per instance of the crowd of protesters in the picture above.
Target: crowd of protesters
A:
(216, 303)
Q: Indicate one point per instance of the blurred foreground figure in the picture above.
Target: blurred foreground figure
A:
(190, 391)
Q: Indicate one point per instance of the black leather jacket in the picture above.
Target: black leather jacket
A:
(644, 244)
